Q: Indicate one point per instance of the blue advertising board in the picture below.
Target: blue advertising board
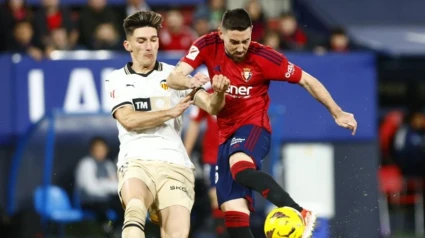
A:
(30, 89)
(351, 80)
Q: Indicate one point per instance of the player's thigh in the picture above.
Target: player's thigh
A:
(249, 143)
(135, 188)
(177, 187)
(134, 182)
(175, 222)
(239, 205)
(228, 190)
(239, 156)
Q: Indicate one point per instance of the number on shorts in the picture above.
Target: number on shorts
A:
(216, 174)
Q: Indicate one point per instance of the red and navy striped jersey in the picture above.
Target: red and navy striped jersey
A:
(247, 99)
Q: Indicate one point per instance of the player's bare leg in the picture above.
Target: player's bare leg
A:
(137, 198)
(236, 218)
(244, 172)
(175, 222)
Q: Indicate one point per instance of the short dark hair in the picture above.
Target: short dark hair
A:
(142, 19)
(338, 31)
(236, 19)
(97, 139)
(285, 14)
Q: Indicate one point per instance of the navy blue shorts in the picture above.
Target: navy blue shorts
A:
(251, 140)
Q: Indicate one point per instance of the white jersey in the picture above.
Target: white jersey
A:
(148, 92)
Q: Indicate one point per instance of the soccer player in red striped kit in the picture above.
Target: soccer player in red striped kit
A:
(244, 125)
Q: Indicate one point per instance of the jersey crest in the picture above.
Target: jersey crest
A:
(164, 84)
(247, 74)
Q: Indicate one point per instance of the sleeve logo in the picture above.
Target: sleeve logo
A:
(193, 52)
(142, 104)
(290, 70)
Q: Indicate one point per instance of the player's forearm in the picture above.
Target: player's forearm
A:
(177, 80)
(210, 102)
(217, 101)
(136, 121)
(320, 93)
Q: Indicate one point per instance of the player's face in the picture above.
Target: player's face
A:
(236, 42)
(143, 46)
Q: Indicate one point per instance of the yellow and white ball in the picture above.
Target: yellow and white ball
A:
(284, 222)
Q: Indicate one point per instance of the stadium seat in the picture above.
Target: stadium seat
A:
(52, 203)
(399, 191)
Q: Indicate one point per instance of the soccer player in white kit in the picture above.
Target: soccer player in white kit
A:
(154, 170)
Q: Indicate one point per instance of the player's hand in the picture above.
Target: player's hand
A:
(198, 80)
(220, 83)
(181, 107)
(346, 120)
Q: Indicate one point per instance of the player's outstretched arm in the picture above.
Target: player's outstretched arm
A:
(178, 78)
(135, 121)
(213, 102)
(319, 92)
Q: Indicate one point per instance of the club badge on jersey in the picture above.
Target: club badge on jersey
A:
(164, 84)
(247, 74)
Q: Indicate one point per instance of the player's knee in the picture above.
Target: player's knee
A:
(239, 170)
(239, 156)
(239, 205)
(134, 217)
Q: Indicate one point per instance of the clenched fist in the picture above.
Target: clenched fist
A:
(346, 120)
(220, 83)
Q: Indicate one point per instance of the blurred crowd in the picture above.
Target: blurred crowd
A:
(402, 140)
(402, 170)
(39, 30)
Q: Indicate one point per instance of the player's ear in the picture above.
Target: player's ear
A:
(220, 32)
(127, 46)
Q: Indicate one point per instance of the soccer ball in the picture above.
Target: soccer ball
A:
(284, 222)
